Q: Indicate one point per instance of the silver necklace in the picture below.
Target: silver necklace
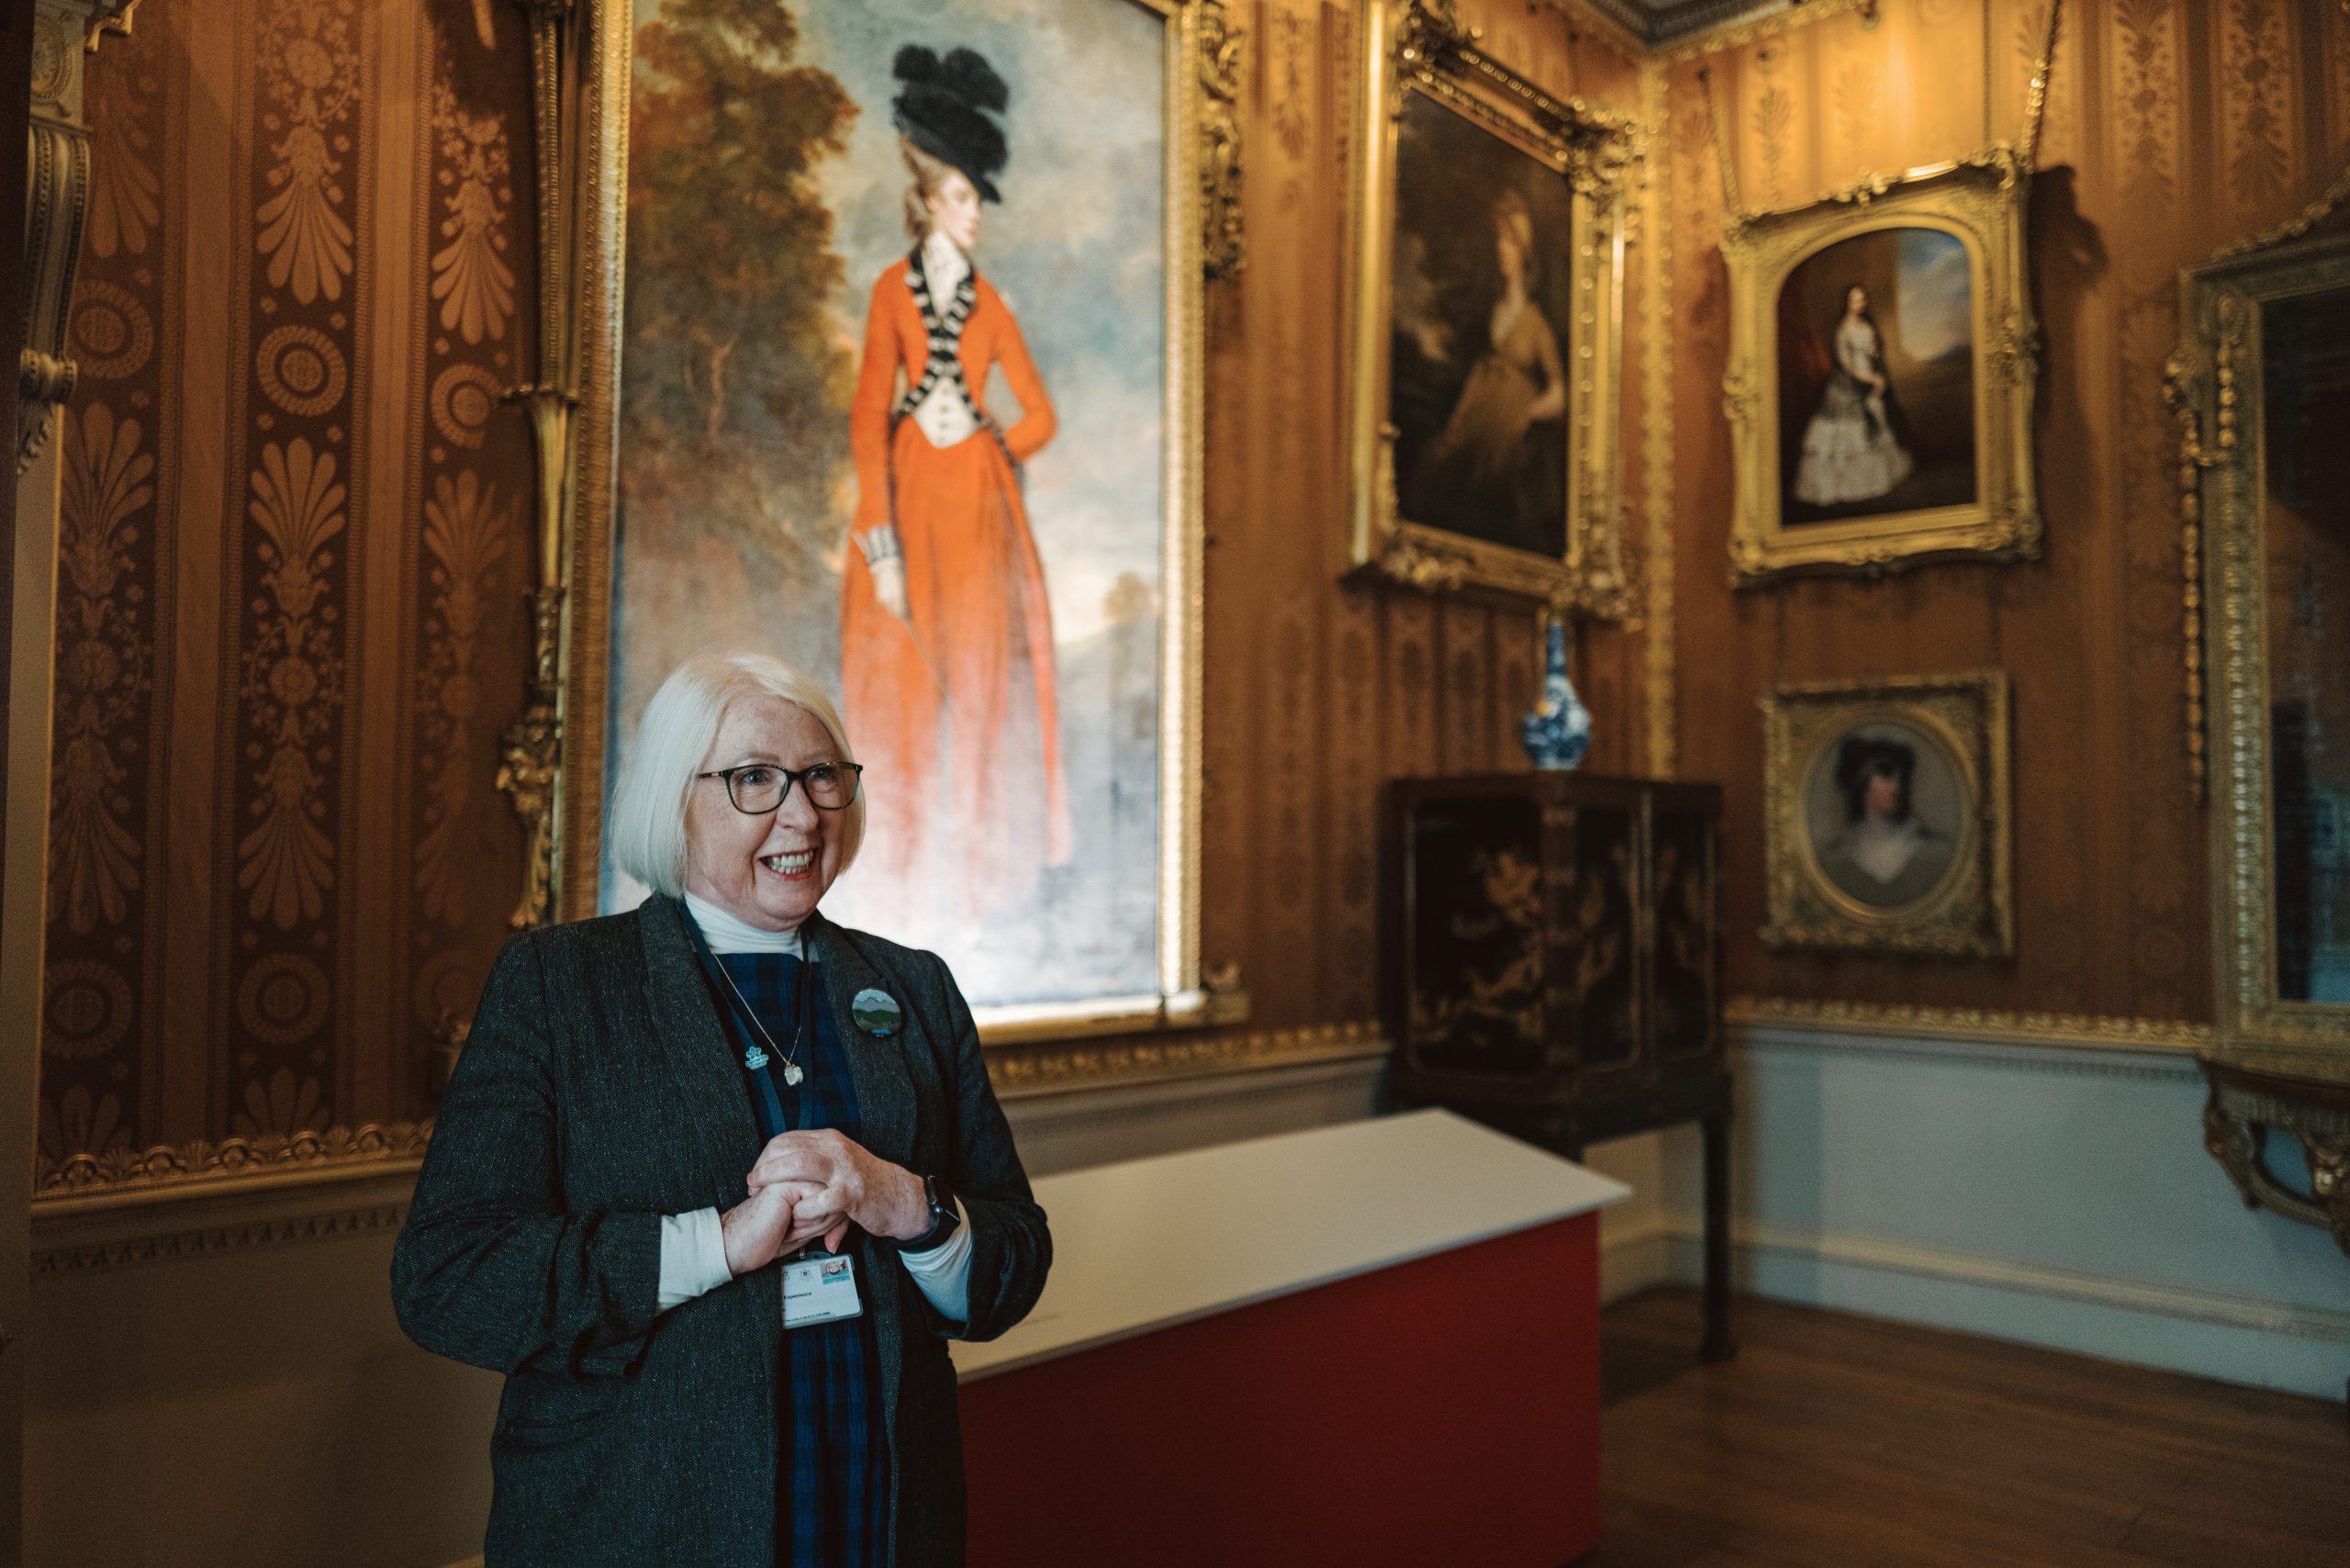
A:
(754, 1058)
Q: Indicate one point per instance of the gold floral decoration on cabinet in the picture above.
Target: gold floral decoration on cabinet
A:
(1487, 343)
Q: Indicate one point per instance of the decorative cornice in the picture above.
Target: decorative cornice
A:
(1646, 27)
(163, 1171)
(124, 1177)
(1021, 1072)
(198, 1241)
(1738, 31)
(1984, 1024)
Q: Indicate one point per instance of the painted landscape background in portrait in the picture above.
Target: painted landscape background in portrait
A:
(1451, 178)
(765, 198)
(1922, 292)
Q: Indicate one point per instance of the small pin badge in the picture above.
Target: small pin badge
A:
(754, 1059)
(876, 1012)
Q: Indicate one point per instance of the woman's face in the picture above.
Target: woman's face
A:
(1856, 299)
(767, 870)
(953, 205)
(1883, 799)
(1511, 255)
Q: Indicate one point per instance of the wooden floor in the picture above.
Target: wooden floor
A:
(1846, 1441)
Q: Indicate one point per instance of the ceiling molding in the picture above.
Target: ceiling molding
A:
(1655, 23)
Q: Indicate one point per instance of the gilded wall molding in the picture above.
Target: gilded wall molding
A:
(1020, 1071)
(1989, 1025)
(130, 1176)
(1224, 238)
(1737, 34)
(1660, 693)
(205, 1241)
(529, 770)
(167, 1170)
(57, 203)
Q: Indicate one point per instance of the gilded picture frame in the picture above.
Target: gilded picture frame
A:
(1888, 816)
(2250, 414)
(1201, 238)
(1558, 166)
(1824, 480)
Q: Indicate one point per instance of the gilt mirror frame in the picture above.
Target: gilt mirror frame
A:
(1419, 50)
(1201, 238)
(2216, 385)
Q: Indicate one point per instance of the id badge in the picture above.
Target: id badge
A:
(822, 1289)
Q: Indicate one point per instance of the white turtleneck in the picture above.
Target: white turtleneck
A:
(693, 1246)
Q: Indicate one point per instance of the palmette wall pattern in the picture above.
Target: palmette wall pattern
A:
(297, 532)
(292, 542)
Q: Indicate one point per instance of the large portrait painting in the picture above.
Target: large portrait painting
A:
(1481, 332)
(906, 395)
(1883, 356)
(1888, 816)
(1488, 326)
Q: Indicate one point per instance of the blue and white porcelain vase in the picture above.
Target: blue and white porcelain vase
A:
(1557, 734)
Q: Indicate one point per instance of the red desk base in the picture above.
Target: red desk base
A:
(1443, 1411)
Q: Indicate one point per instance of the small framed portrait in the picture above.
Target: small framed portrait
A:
(1488, 325)
(1883, 356)
(1888, 816)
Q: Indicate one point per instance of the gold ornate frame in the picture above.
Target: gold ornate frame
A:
(1980, 202)
(1420, 46)
(2216, 377)
(575, 403)
(1980, 199)
(1972, 915)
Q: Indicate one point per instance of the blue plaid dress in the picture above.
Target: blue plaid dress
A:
(833, 1460)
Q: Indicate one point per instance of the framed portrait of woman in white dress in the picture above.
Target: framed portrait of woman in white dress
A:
(1880, 386)
(1487, 338)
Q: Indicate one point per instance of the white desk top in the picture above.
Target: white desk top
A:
(1150, 1243)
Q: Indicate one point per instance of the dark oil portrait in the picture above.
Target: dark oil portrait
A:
(1877, 378)
(1478, 393)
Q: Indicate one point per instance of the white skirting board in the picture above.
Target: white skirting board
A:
(2054, 1194)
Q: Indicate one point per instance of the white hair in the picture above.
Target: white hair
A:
(646, 827)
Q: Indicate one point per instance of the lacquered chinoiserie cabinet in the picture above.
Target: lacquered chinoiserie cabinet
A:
(1552, 966)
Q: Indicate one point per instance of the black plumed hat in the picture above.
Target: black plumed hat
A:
(949, 108)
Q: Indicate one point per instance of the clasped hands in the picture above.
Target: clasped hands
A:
(810, 1184)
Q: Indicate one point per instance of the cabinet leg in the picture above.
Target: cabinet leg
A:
(1716, 1346)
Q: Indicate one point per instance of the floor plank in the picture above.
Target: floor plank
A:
(1836, 1441)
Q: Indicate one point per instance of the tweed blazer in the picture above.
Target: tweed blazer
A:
(597, 1093)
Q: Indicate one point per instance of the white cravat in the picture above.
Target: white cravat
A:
(693, 1246)
(944, 264)
(943, 416)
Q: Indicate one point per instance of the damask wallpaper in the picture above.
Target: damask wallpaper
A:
(2173, 127)
(296, 529)
(294, 535)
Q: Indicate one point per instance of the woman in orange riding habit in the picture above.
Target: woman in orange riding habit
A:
(946, 638)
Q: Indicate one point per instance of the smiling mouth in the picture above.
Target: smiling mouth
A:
(793, 863)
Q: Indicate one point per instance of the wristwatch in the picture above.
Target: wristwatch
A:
(942, 1217)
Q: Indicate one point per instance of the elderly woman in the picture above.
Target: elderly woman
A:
(716, 1180)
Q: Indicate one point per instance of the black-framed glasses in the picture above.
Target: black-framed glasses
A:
(758, 787)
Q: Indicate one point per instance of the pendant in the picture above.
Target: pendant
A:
(792, 1074)
(754, 1059)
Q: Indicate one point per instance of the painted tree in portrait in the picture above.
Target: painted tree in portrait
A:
(735, 385)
